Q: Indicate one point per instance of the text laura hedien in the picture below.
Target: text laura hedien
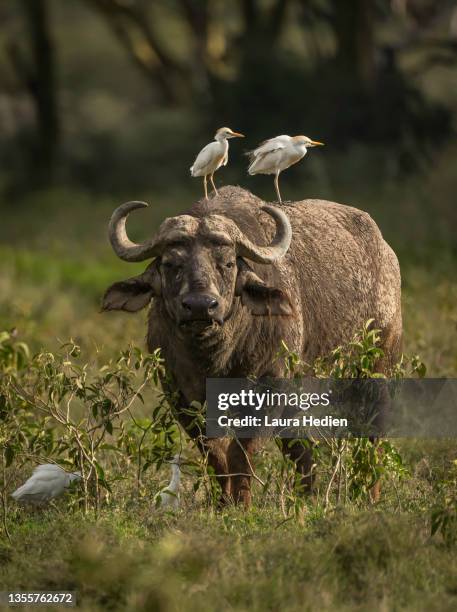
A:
(267, 421)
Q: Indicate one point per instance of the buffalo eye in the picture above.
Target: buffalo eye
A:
(170, 265)
(230, 264)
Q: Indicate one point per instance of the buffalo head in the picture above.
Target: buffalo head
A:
(199, 266)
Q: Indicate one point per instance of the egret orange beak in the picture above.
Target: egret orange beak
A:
(237, 134)
(316, 143)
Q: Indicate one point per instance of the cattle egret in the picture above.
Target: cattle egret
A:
(213, 156)
(275, 155)
(169, 496)
(47, 482)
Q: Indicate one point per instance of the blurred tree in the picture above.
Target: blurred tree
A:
(135, 25)
(353, 24)
(197, 15)
(135, 30)
(36, 70)
(344, 72)
(362, 94)
(263, 25)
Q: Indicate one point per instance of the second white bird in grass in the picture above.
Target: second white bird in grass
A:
(169, 496)
(275, 155)
(47, 482)
(213, 156)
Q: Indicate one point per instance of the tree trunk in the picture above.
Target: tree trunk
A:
(353, 24)
(41, 83)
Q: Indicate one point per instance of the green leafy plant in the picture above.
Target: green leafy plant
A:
(443, 518)
(56, 407)
(368, 463)
(354, 466)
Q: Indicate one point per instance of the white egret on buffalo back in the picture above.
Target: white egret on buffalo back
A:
(275, 155)
(47, 482)
(213, 156)
(169, 496)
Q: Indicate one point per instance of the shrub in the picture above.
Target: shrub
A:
(58, 408)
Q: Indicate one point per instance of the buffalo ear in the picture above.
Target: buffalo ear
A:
(134, 293)
(258, 297)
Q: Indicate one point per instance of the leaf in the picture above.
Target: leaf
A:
(100, 471)
(105, 484)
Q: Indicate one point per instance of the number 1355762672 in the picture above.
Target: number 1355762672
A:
(38, 598)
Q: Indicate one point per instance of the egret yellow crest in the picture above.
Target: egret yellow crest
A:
(275, 155)
(213, 156)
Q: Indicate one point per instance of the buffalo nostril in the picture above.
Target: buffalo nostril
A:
(187, 305)
(212, 304)
(199, 306)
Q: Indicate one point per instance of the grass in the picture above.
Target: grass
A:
(54, 268)
(134, 558)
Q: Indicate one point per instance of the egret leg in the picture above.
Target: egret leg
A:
(212, 183)
(277, 187)
(205, 187)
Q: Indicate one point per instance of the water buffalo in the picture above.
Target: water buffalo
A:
(232, 277)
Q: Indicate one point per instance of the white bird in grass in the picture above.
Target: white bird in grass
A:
(275, 155)
(169, 496)
(213, 156)
(47, 482)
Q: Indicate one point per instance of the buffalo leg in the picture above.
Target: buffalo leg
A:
(381, 413)
(239, 457)
(301, 453)
(214, 450)
(375, 491)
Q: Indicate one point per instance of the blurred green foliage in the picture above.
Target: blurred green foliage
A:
(114, 94)
(111, 99)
